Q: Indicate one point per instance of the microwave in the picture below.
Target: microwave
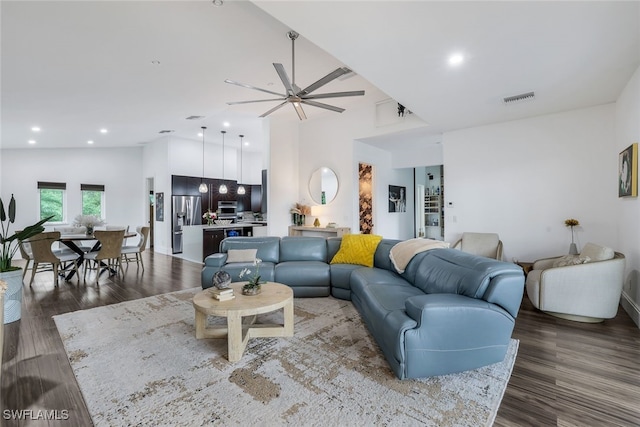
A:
(228, 209)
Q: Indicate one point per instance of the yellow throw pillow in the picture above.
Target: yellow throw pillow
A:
(357, 249)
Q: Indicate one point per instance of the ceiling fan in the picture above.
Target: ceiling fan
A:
(296, 96)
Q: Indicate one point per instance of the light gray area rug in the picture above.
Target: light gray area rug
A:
(139, 363)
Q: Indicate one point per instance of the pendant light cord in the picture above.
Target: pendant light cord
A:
(241, 136)
(223, 132)
(203, 129)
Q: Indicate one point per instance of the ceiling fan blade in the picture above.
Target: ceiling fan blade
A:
(253, 87)
(285, 79)
(299, 110)
(274, 109)
(321, 105)
(323, 81)
(334, 94)
(256, 100)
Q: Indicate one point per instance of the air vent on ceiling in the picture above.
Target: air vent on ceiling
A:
(195, 117)
(529, 96)
(165, 131)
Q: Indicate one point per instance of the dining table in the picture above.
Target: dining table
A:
(72, 241)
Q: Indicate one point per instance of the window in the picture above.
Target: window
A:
(53, 200)
(92, 200)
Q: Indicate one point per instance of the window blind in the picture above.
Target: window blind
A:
(52, 185)
(91, 187)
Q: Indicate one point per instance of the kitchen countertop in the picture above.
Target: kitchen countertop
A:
(234, 225)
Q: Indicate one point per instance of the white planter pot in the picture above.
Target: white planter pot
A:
(13, 296)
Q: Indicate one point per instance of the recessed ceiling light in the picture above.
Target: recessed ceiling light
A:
(90, 142)
(35, 129)
(103, 130)
(155, 62)
(32, 141)
(226, 124)
(456, 59)
(246, 143)
(200, 134)
(217, 3)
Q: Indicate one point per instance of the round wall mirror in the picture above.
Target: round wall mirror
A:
(323, 185)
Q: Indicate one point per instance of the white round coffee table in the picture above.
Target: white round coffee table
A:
(274, 296)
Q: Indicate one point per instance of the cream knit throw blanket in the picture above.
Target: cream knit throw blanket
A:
(403, 252)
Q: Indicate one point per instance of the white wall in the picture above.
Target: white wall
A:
(118, 169)
(627, 210)
(331, 140)
(522, 179)
(282, 182)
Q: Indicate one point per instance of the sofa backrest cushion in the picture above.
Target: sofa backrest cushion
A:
(303, 248)
(596, 252)
(333, 246)
(456, 272)
(268, 247)
(381, 258)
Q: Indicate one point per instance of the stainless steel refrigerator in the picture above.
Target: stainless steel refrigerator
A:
(185, 211)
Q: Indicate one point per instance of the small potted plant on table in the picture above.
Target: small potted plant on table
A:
(254, 285)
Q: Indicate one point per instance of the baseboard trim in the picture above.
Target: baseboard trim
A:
(631, 307)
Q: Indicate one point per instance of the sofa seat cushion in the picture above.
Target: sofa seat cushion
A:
(341, 275)
(303, 273)
(382, 306)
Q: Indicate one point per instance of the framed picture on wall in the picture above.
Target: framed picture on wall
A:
(397, 198)
(628, 172)
(159, 206)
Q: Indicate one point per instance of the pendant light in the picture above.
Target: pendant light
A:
(203, 187)
(223, 188)
(241, 189)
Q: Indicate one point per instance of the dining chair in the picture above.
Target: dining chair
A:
(43, 255)
(26, 254)
(108, 256)
(136, 250)
(119, 227)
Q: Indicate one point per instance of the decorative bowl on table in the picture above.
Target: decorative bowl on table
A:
(223, 221)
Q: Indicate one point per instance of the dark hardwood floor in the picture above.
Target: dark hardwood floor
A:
(566, 373)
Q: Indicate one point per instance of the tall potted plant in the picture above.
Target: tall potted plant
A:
(9, 245)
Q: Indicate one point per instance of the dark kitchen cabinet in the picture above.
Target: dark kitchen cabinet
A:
(211, 242)
(256, 198)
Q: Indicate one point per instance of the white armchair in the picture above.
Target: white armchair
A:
(484, 244)
(573, 290)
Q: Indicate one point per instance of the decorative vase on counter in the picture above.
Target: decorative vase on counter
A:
(301, 219)
(89, 230)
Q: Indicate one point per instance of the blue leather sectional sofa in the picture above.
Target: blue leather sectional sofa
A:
(448, 312)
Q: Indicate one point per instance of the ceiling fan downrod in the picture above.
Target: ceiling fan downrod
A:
(293, 36)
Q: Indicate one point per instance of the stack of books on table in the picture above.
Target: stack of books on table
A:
(222, 294)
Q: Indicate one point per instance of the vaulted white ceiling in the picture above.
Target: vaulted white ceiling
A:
(140, 67)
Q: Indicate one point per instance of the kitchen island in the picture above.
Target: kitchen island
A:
(200, 241)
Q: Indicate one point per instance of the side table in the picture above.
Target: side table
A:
(526, 267)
